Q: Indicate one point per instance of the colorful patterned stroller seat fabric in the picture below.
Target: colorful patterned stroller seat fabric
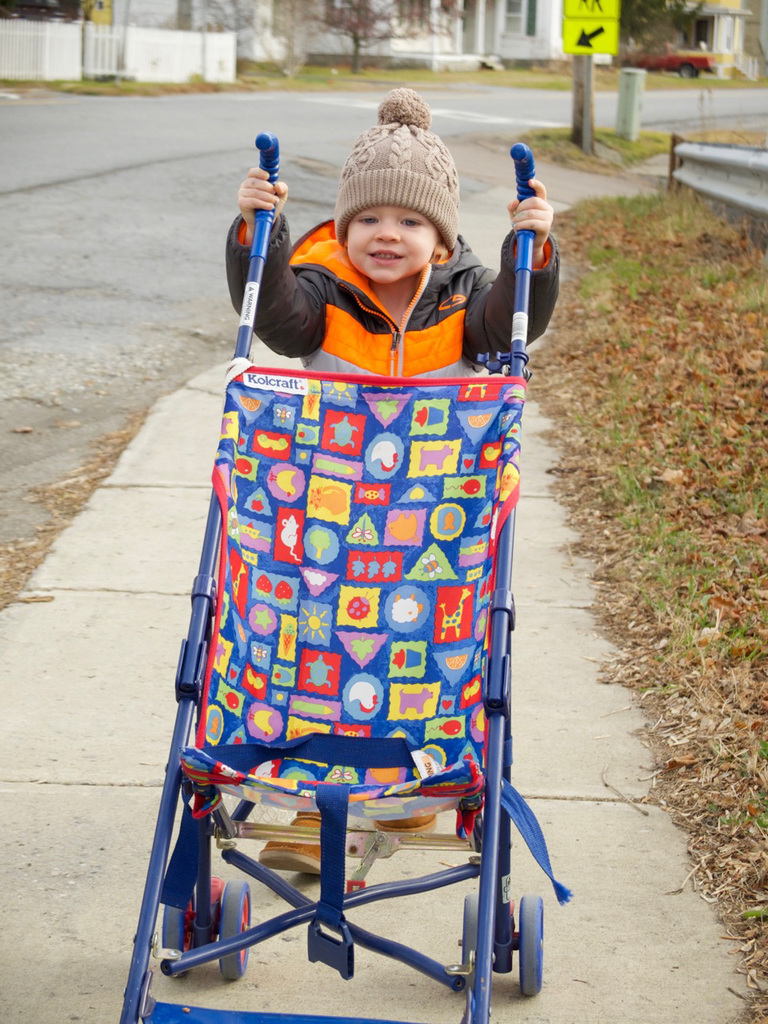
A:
(355, 577)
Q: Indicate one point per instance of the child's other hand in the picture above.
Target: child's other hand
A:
(533, 214)
(258, 193)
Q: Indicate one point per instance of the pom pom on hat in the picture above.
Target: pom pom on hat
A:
(404, 106)
(400, 162)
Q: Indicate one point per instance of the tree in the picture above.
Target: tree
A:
(294, 22)
(650, 22)
(363, 22)
(638, 18)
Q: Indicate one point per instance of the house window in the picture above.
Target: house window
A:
(515, 11)
(521, 17)
(413, 12)
(702, 33)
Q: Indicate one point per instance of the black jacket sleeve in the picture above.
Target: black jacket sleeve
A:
(488, 324)
(290, 318)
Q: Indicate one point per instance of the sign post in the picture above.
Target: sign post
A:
(589, 27)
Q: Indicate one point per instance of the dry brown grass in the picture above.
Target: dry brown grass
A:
(62, 500)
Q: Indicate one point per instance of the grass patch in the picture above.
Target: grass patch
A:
(554, 145)
(265, 77)
(657, 380)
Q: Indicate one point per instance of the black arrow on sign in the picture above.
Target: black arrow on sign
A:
(586, 40)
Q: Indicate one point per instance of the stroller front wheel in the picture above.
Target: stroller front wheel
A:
(531, 944)
(469, 933)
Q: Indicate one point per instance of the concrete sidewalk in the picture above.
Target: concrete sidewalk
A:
(90, 653)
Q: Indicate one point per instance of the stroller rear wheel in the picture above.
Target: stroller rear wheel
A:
(235, 919)
(531, 944)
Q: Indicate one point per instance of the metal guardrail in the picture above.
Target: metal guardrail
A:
(733, 177)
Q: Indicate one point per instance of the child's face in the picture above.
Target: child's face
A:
(389, 243)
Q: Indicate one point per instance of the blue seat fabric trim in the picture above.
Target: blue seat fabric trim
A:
(352, 751)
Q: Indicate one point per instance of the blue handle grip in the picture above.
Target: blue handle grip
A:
(269, 161)
(269, 154)
(524, 169)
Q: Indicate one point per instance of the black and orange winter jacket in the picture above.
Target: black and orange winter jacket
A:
(314, 305)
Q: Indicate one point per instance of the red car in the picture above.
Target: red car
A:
(687, 63)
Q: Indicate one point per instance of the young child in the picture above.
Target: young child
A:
(389, 287)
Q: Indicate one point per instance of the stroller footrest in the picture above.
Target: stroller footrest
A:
(167, 1013)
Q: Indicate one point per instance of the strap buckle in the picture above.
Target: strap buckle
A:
(324, 947)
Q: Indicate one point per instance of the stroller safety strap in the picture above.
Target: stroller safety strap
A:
(335, 950)
(527, 825)
(181, 874)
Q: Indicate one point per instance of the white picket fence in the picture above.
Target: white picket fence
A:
(40, 50)
(48, 51)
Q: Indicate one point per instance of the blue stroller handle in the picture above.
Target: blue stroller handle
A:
(514, 362)
(269, 154)
(524, 169)
(269, 161)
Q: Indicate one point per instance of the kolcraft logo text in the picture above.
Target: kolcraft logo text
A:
(268, 382)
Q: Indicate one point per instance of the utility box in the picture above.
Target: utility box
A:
(631, 85)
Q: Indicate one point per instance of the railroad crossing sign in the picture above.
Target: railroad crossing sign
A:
(591, 26)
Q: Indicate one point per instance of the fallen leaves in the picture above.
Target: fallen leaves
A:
(682, 761)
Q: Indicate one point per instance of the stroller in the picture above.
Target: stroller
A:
(348, 653)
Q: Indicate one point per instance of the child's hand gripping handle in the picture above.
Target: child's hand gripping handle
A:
(269, 161)
(515, 360)
(524, 172)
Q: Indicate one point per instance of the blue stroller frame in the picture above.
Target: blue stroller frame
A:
(334, 738)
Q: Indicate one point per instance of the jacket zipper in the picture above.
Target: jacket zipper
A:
(395, 352)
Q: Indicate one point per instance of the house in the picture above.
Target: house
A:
(719, 29)
(459, 34)
(756, 34)
(467, 33)
(515, 30)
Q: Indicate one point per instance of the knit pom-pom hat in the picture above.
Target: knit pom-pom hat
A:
(401, 162)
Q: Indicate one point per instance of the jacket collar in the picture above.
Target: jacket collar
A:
(320, 248)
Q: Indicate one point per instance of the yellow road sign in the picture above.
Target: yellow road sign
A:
(590, 35)
(602, 9)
